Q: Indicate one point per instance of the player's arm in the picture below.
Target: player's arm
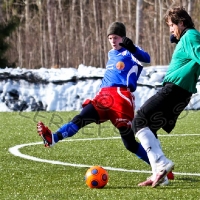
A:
(191, 42)
(133, 76)
(137, 52)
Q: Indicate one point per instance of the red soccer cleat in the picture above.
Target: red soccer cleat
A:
(45, 134)
(170, 175)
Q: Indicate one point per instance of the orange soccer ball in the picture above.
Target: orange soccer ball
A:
(96, 177)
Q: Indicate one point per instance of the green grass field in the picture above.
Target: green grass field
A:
(25, 179)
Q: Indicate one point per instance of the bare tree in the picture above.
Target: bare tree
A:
(129, 15)
(42, 34)
(82, 28)
(139, 22)
(117, 10)
(1, 14)
(72, 31)
(161, 24)
(68, 33)
(189, 7)
(27, 35)
(97, 39)
(51, 17)
(62, 34)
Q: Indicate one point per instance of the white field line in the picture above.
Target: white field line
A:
(15, 151)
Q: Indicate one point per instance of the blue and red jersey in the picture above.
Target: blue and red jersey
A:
(123, 68)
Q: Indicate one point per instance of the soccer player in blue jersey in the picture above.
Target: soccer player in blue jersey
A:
(114, 101)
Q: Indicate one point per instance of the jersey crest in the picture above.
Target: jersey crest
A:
(120, 65)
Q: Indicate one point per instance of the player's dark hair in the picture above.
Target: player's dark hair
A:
(178, 14)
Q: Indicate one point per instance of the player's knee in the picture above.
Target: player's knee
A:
(124, 131)
(134, 126)
(78, 120)
(132, 147)
(128, 139)
(139, 122)
(87, 116)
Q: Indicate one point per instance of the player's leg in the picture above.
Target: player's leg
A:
(87, 115)
(135, 147)
(121, 115)
(131, 144)
(160, 165)
(150, 116)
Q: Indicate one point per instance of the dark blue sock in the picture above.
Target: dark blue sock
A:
(142, 154)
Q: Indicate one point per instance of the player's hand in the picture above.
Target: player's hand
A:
(128, 44)
(173, 39)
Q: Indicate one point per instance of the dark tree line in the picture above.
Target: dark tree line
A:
(66, 33)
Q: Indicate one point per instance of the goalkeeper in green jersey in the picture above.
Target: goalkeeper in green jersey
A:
(163, 109)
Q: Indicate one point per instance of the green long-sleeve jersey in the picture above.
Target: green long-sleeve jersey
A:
(184, 68)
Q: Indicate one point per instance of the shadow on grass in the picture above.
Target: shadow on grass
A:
(183, 182)
(188, 179)
(121, 187)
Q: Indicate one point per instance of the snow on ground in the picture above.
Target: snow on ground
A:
(65, 89)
